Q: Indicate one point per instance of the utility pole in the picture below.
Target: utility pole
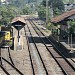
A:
(46, 11)
(68, 35)
(0, 56)
(51, 9)
(71, 41)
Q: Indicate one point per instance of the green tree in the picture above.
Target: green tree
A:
(42, 12)
(7, 13)
(26, 10)
(71, 26)
(43, 3)
(56, 4)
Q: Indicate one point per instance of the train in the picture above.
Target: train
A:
(6, 36)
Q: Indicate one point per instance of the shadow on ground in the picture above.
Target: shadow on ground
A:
(60, 47)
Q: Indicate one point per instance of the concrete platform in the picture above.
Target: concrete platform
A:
(18, 45)
(65, 43)
(72, 50)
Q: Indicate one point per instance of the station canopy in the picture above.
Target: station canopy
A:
(64, 17)
(18, 23)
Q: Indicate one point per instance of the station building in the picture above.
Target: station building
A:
(61, 22)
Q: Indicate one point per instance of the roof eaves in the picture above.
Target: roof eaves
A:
(63, 16)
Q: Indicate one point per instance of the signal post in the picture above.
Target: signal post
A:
(18, 23)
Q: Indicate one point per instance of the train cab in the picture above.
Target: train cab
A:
(6, 36)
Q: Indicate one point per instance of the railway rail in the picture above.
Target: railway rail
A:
(46, 66)
(2, 67)
(29, 51)
(8, 66)
(34, 67)
(65, 65)
(10, 56)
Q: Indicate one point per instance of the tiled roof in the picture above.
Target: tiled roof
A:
(18, 19)
(63, 16)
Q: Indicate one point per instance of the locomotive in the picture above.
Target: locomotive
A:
(6, 36)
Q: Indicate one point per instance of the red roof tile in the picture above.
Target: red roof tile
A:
(63, 16)
(18, 19)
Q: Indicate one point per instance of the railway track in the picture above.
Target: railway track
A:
(8, 66)
(16, 62)
(10, 56)
(29, 51)
(35, 56)
(65, 52)
(65, 65)
(73, 60)
(5, 71)
(47, 67)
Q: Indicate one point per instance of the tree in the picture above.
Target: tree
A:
(43, 3)
(42, 12)
(56, 5)
(71, 26)
(26, 10)
(7, 13)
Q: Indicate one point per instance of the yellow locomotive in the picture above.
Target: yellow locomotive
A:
(6, 36)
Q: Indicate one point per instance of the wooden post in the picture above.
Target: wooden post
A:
(0, 56)
(68, 34)
(68, 40)
(71, 40)
(46, 11)
(18, 36)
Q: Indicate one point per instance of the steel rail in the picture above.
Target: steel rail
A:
(4, 70)
(73, 60)
(56, 48)
(38, 52)
(13, 66)
(52, 54)
(10, 57)
(29, 52)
